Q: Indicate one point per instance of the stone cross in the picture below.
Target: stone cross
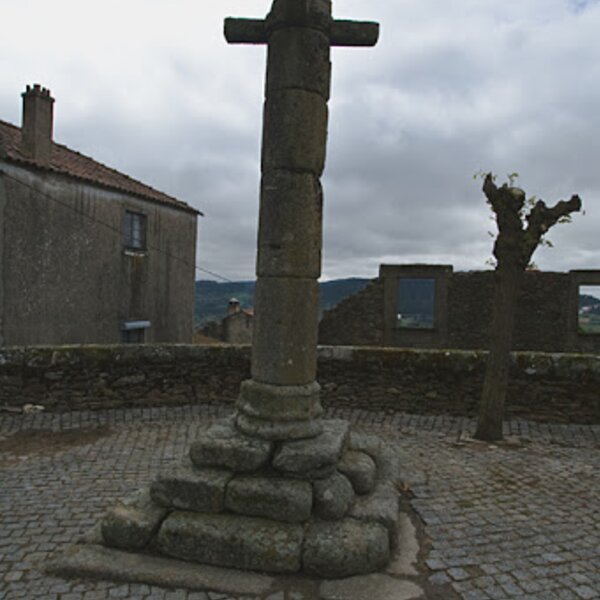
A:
(281, 401)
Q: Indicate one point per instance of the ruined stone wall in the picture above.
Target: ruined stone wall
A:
(356, 320)
(541, 320)
(553, 387)
(546, 317)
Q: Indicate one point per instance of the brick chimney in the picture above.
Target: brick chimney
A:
(36, 131)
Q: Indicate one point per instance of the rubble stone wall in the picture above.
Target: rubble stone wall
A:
(541, 319)
(552, 387)
(356, 320)
(545, 319)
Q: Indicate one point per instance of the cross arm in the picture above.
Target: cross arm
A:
(354, 33)
(343, 33)
(246, 31)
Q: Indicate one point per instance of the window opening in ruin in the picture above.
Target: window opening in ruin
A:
(416, 303)
(588, 316)
(134, 230)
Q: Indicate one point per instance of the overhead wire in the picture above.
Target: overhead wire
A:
(111, 227)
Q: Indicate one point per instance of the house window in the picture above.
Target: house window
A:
(415, 303)
(588, 313)
(134, 230)
(134, 332)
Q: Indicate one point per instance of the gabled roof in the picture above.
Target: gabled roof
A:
(73, 164)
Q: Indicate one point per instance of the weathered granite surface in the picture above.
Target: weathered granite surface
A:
(131, 524)
(289, 515)
(232, 541)
(270, 497)
(278, 430)
(360, 469)
(316, 457)
(190, 488)
(379, 507)
(223, 445)
(343, 548)
(333, 496)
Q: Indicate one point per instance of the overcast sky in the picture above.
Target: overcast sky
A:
(454, 87)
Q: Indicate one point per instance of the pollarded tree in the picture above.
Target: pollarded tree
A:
(519, 234)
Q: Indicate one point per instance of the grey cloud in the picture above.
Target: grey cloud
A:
(452, 88)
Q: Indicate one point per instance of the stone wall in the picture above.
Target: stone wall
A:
(546, 317)
(554, 387)
(65, 279)
(541, 320)
(73, 377)
(356, 320)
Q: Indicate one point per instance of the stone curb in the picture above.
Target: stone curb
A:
(98, 562)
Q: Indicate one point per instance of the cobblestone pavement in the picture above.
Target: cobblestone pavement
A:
(516, 520)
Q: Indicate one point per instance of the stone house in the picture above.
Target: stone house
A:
(433, 306)
(238, 324)
(87, 254)
(236, 327)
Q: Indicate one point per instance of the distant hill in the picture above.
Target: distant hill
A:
(334, 291)
(212, 297)
(587, 300)
(590, 303)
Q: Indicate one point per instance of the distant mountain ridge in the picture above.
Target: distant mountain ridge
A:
(589, 304)
(212, 297)
(587, 300)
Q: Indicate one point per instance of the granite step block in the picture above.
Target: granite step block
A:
(131, 524)
(313, 458)
(189, 488)
(223, 445)
(275, 498)
(232, 541)
(360, 469)
(344, 548)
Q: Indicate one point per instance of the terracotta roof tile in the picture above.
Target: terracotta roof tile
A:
(68, 162)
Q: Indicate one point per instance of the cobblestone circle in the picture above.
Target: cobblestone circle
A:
(519, 519)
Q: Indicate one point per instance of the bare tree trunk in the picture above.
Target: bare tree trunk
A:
(491, 409)
(513, 250)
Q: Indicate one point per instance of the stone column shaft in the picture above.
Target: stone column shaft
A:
(281, 401)
(290, 238)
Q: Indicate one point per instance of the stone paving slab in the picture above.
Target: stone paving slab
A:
(373, 587)
(518, 520)
(100, 562)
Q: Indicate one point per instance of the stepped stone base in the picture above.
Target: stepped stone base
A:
(325, 506)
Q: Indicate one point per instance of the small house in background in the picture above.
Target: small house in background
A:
(87, 254)
(236, 327)
(238, 324)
